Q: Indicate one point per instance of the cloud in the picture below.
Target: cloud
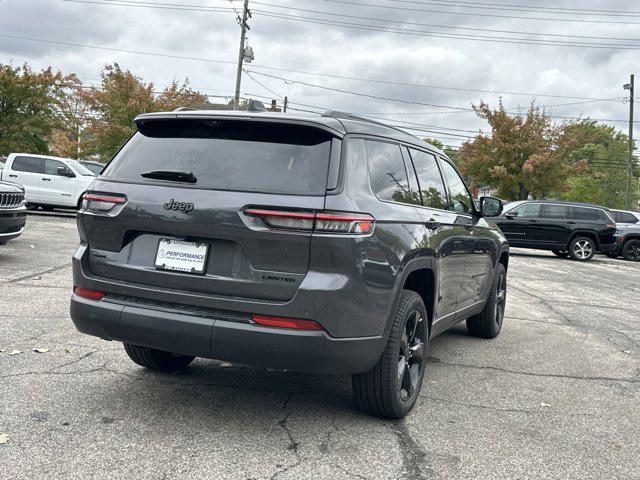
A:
(299, 45)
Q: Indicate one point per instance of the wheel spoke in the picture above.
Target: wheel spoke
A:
(402, 366)
(407, 384)
(417, 351)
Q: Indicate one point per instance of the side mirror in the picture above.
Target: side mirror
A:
(490, 207)
(64, 171)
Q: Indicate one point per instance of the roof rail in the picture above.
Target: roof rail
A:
(183, 109)
(349, 116)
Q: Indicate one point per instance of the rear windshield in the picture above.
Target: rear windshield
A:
(229, 155)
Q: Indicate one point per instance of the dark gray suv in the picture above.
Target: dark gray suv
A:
(315, 243)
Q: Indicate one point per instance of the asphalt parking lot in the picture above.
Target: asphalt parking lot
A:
(556, 395)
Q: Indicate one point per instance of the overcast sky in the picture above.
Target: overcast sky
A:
(283, 36)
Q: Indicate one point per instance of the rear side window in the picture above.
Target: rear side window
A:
(555, 211)
(28, 164)
(582, 213)
(431, 184)
(230, 155)
(387, 174)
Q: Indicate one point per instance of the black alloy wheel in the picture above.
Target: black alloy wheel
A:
(411, 356)
(631, 250)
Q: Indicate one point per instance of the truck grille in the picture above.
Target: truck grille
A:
(11, 199)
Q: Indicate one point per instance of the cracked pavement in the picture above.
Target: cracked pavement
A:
(556, 395)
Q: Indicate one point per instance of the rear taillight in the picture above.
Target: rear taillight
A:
(103, 203)
(281, 322)
(88, 293)
(324, 222)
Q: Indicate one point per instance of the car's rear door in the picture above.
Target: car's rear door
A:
(237, 167)
(555, 225)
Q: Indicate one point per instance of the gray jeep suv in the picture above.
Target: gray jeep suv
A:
(316, 243)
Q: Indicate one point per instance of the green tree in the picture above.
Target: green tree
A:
(30, 107)
(602, 150)
(452, 153)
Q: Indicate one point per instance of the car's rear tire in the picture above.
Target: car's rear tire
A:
(561, 253)
(488, 323)
(582, 249)
(390, 389)
(631, 250)
(157, 359)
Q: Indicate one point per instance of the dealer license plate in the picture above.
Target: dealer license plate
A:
(181, 256)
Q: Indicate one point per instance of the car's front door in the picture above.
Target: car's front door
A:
(447, 235)
(480, 252)
(57, 189)
(521, 225)
(27, 171)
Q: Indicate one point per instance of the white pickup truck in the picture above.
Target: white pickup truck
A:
(48, 181)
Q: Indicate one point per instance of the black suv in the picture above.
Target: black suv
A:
(13, 213)
(576, 230)
(315, 243)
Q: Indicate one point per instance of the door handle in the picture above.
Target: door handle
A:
(46, 179)
(571, 222)
(533, 220)
(432, 224)
(13, 176)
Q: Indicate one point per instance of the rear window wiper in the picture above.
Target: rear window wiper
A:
(171, 175)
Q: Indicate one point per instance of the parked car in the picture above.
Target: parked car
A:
(315, 243)
(576, 230)
(625, 218)
(627, 243)
(13, 214)
(95, 167)
(48, 181)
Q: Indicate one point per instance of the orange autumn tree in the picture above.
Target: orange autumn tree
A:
(520, 157)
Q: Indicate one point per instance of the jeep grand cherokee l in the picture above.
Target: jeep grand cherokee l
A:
(13, 213)
(315, 243)
(576, 230)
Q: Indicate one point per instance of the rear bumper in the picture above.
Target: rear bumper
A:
(214, 336)
(12, 223)
(607, 247)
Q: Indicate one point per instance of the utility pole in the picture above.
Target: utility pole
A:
(629, 86)
(286, 104)
(243, 32)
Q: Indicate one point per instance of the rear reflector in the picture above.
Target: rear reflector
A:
(88, 293)
(97, 202)
(281, 322)
(325, 222)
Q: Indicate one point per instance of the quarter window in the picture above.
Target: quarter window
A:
(431, 184)
(28, 164)
(460, 199)
(387, 174)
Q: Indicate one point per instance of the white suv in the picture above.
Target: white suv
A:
(48, 181)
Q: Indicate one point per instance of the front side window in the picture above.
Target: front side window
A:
(387, 173)
(528, 210)
(51, 166)
(460, 199)
(28, 164)
(554, 211)
(431, 184)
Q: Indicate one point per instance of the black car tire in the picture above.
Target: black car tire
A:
(561, 253)
(488, 323)
(157, 359)
(582, 249)
(384, 391)
(631, 250)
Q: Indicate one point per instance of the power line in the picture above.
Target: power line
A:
(423, 33)
(523, 8)
(415, 9)
(406, 22)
